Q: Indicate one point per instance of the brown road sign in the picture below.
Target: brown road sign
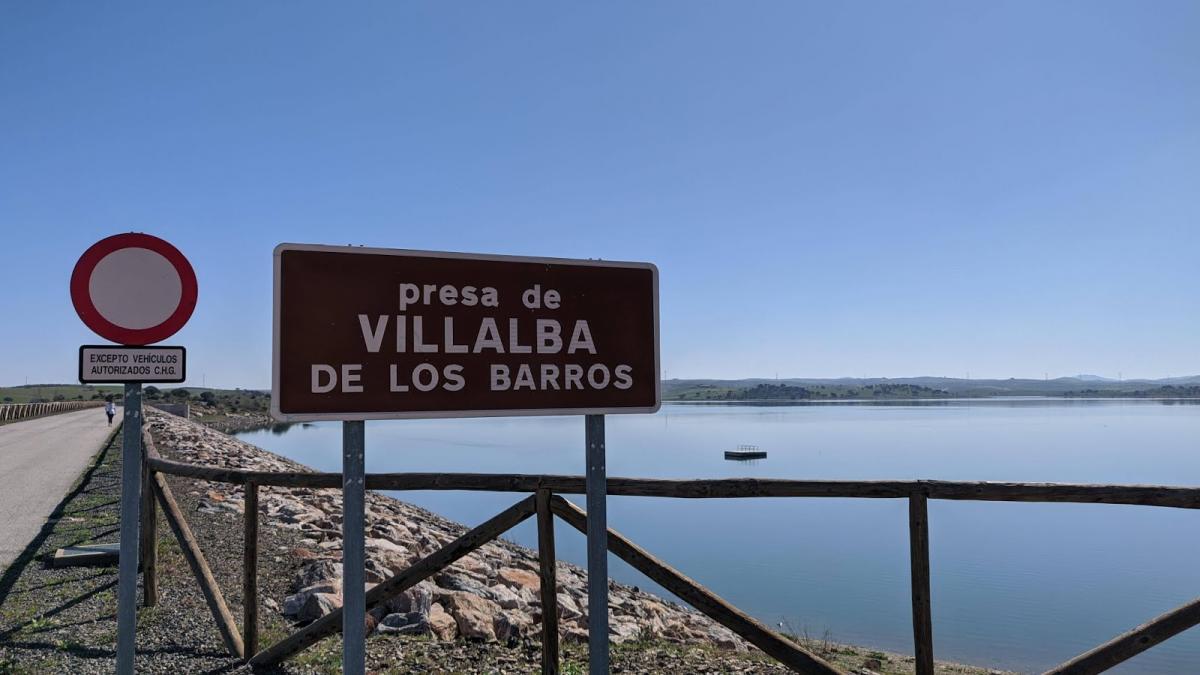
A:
(365, 333)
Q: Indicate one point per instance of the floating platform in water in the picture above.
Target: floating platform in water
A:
(746, 452)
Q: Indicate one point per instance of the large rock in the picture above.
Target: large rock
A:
(505, 597)
(390, 555)
(419, 599)
(318, 605)
(473, 614)
(442, 625)
(724, 638)
(294, 513)
(475, 564)
(654, 626)
(376, 571)
(518, 579)
(677, 631)
(460, 582)
(413, 623)
(567, 608)
(623, 631)
(574, 634)
(294, 604)
(319, 571)
(384, 545)
(511, 627)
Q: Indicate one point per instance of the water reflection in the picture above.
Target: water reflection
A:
(998, 401)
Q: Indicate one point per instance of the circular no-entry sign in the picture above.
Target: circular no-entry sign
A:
(133, 289)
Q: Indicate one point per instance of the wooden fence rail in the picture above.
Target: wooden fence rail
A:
(546, 502)
(1130, 644)
(19, 411)
(722, 488)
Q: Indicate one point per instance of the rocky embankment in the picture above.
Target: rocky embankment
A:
(490, 595)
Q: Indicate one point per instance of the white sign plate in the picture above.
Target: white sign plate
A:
(112, 364)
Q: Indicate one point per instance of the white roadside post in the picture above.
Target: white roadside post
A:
(597, 545)
(135, 290)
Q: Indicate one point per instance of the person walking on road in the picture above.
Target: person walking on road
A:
(110, 409)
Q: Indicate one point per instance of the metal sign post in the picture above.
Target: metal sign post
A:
(354, 598)
(597, 546)
(131, 490)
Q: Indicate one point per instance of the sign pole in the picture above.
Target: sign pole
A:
(354, 600)
(135, 290)
(597, 546)
(131, 485)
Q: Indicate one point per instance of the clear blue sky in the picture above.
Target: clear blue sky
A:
(884, 189)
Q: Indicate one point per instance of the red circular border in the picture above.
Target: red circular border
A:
(81, 298)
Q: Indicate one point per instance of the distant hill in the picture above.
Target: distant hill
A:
(44, 393)
(201, 398)
(924, 387)
(1167, 391)
(813, 392)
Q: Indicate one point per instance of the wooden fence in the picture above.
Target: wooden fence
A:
(20, 411)
(545, 502)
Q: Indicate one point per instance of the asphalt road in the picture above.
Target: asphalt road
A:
(39, 461)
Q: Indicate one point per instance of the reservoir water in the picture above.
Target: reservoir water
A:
(1015, 586)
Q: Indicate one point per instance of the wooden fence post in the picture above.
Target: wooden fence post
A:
(250, 569)
(548, 583)
(922, 615)
(148, 548)
(200, 568)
